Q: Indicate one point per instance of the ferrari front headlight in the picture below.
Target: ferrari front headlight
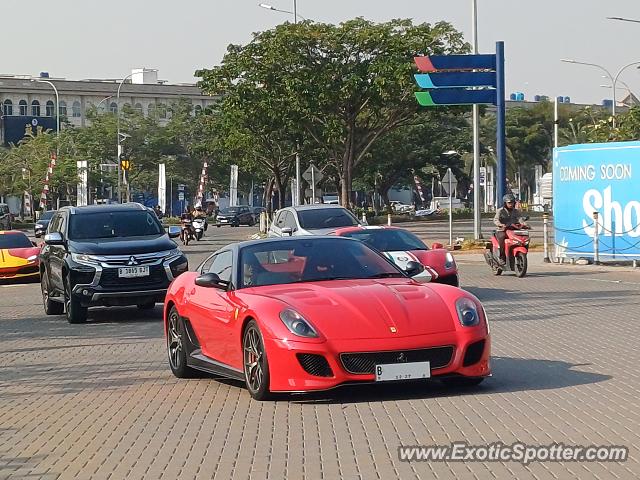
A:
(297, 324)
(32, 258)
(467, 312)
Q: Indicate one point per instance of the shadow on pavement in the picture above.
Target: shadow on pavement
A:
(509, 375)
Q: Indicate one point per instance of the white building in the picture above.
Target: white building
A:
(19, 96)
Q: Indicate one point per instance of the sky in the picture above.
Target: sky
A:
(78, 39)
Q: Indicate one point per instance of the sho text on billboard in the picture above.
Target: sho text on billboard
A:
(602, 178)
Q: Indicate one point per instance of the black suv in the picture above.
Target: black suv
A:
(106, 255)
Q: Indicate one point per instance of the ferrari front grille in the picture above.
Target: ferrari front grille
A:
(315, 365)
(362, 363)
(473, 353)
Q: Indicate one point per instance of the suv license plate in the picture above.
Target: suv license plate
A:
(132, 272)
(402, 371)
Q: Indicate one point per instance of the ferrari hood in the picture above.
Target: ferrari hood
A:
(360, 309)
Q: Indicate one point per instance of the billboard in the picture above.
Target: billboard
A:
(602, 178)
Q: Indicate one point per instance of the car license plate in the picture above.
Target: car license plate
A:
(223, 220)
(402, 371)
(132, 272)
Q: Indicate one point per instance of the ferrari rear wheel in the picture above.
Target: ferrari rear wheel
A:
(462, 381)
(176, 338)
(256, 365)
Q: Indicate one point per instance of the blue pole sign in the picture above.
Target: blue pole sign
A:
(602, 178)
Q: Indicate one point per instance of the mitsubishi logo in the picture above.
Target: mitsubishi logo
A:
(402, 358)
(132, 261)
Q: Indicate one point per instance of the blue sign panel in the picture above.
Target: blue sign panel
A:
(602, 178)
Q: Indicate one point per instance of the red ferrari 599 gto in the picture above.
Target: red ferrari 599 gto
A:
(311, 313)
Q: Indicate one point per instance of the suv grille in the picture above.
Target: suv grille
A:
(157, 277)
(366, 362)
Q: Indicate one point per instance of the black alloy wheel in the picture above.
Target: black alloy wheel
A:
(76, 313)
(176, 338)
(256, 365)
(50, 307)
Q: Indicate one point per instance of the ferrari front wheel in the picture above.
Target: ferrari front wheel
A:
(256, 365)
(176, 346)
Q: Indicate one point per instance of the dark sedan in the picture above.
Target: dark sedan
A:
(235, 216)
(40, 228)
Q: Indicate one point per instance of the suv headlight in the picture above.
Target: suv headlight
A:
(297, 324)
(84, 258)
(449, 262)
(173, 253)
(467, 312)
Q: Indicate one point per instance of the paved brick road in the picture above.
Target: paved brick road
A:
(98, 400)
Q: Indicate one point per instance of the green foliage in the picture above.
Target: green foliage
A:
(333, 90)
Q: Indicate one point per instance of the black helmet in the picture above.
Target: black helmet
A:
(508, 198)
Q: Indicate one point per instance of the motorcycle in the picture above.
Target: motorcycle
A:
(199, 226)
(516, 246)
(186, 231)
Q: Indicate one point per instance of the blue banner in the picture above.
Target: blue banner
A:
(602, 178)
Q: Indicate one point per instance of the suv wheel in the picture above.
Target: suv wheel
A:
(76, 313)
(50, 307)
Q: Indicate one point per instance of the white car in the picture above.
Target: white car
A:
(311, 220)
(400, 207)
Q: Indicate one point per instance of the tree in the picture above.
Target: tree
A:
(416, 149)
(342, 87)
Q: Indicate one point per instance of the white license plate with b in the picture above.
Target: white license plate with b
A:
(403, 371)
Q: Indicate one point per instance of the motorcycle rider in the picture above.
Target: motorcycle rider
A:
(199, 213)
(186, 215)
(505, 217)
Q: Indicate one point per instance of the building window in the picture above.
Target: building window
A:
(23, 107)
(138, 108)
(35, 108)
(152, 110)
(113, 107)
(49, 109)
(77, 112)
(8, 107)
(198, 109)
(162, 110)
(63, 109)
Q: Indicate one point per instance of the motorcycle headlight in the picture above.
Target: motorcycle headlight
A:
(297, 324)
(83, 258)
(449, 262)
(467, 312)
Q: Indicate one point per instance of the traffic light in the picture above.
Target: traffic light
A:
(125, 163)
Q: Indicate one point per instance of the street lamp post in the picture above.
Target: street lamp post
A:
(477, 227)
(294, 13)
(38, 80)
(119, 145)
(613, 78)
(104, 100)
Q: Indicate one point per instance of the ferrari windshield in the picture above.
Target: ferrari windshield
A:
(311, 260)
(388, 240)
(14, 240)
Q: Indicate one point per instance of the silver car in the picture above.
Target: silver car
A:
(311, 220)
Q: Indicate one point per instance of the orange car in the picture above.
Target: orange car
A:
(18, 256)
